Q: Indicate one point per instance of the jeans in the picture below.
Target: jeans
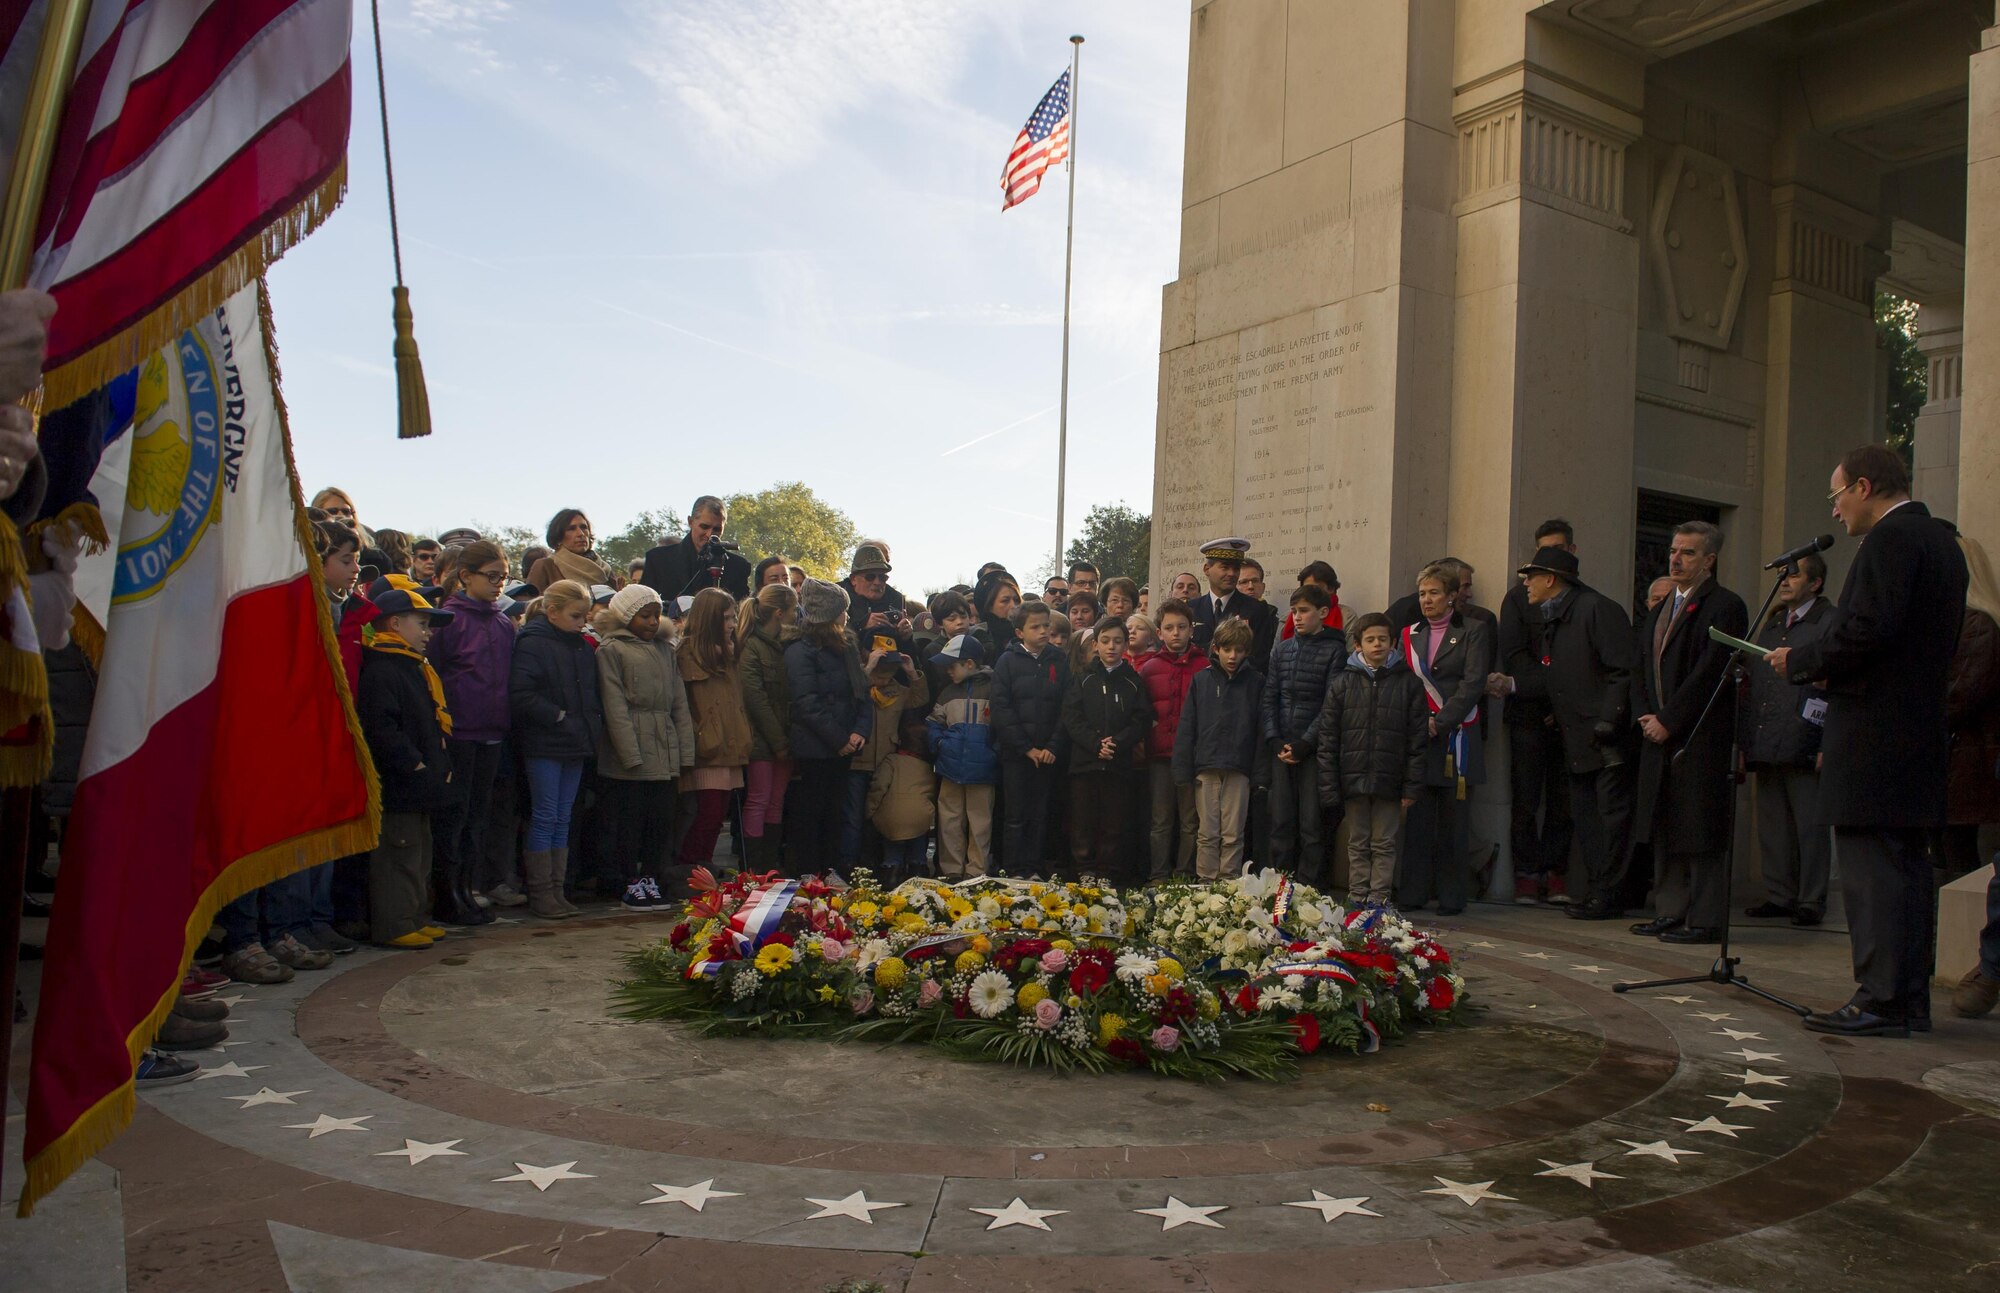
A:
(902, 859)
(1025, 791)
(263, 915)
(639, 816)
(458, 833)
(1296, 844)
(816, 812)
(552, 787)
(854, 827)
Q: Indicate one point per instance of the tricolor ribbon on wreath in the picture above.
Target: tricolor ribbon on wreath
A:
(1328, 967)
(753, 924)
(1458, 745)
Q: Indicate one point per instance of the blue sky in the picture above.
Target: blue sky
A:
(677, 247)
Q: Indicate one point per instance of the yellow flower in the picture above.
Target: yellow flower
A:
(1001, 924)
(773, 959)
(1171, 968)
(1079, 909)
(827, 994)
(981, 944)
(864, 911)
(1210, 1007)
(1073, 1001)
(1030, 993)
(889, 972)
(968, 962)
(1031, 922)
(1036, 891)
(1159, 984)
(1094, 927)
(1109, 1026)
(959, 908)
(1064, 944)
(838, 904)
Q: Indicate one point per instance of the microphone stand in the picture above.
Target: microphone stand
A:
(1724, 971)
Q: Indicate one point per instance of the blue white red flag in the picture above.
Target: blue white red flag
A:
(1042, 143)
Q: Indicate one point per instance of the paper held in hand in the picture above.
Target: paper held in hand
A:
(1717, 635)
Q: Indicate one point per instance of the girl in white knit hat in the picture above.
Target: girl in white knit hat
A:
(649, 742)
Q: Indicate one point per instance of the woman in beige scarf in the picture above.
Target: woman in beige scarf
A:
(570, 555)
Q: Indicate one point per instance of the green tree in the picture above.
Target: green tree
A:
(791, 521)
(1896, 331)
(513, 540)
(648, 530)
(1117, 540)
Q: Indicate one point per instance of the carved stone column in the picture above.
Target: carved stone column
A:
(1941, 338)
(1979, 447)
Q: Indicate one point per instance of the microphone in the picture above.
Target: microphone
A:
(1807, 549)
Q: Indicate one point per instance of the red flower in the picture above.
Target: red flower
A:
(1307, 1027)
(723, 948)
(679, 938)
(1439, 994)
(1246, 999)
(782, 937)
(1010, 956)
(923, 953)
(1088, 977)
(1179, 1005)
(1126, 1051)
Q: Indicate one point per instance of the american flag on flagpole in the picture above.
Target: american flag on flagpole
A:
(1042, 143)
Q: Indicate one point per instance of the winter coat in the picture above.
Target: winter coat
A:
(902, 797)
(1683, 804)
(1518, 647)
(1167, 680)
(648, 725)
(1459, 673)
(1221, 726)
(1106, 702)
(474, 655)
(1771, 723)
(1027, 700)
(1972, 708)
(890, 603)
(677, 570)
(828, 693)
(767, 692)
(1295, 691)
(400, 721)
(350, 616)
(1584, 674)
(884, 723)
(721, 727)
(552, 691)
(1262, 617)
(961, 732)
(1374, 733)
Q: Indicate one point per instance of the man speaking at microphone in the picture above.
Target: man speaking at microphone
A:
(1884, 662)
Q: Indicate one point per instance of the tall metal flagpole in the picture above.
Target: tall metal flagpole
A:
(1069, 259)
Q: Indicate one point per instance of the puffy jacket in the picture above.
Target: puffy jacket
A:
(1374, 731)
(350, 616)
(1301, 667)
(1219, 727)
(1167, 679)
(1027, 700)
(767, 692)
(1771, 721)
(721, 727)
(1106, 702)
(552, 691)
(473, 655)
(961, 732)
(827, 695)
(399, 719)
(648, 726)
(902, 797)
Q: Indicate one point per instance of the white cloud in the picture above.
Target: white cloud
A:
(458, 15)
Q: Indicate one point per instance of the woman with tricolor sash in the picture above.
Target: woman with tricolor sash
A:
(1451, 655)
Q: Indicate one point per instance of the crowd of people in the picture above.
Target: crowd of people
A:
(549, 730)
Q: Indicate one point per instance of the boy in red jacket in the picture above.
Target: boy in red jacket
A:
(1167, 673)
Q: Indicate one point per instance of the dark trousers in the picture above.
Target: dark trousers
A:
(1891, 917)
(812, 815)
(1600, 805)
(1100, 815)
(1541, 790)
(1434, 862)
(1297, 845)
(458, 833)
(1690, 887)
(640, 818)
(1026, 788)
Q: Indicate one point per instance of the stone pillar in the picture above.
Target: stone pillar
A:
(1941, 338)
(1979, 446)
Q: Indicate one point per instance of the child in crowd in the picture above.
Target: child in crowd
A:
(830, 723)
(1294, 693)
(473, 655)
(1082, 612)
(951, 615)
(896, 687)
(902, 801)
(1028, 684)
(768, 624)
(1373, 733)
(404, 719)
(1142, 637)
(649, 740)
(707, 656)
(961, 742)
(1105, 715)
(558, 724)
(1217, 750)
(1168, 673)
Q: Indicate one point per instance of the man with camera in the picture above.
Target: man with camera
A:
(701, 559)
(874, 609)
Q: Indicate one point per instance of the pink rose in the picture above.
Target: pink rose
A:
(931, 993)
(863, 1000)
(1047, 1012)
(1166, 1038)
(832, 949)
(1054, 960)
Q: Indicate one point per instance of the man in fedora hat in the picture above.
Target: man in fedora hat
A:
(1584, 675)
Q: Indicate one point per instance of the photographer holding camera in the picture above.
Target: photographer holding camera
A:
(702, 558)
(873, 607)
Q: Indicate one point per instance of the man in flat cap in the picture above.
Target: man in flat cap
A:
(1221, 561)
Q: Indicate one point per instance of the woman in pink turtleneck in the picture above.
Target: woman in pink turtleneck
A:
(1454, 654)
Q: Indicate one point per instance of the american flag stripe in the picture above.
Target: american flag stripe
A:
(1042, 143)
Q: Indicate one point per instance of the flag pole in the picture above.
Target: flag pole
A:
(1069, 260)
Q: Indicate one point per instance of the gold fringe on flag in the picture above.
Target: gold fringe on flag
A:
(413, 402)
(27, 729)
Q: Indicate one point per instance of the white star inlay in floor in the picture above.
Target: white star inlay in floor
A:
(1742, 1100)
(266, 1096)
(1589, 969)
(1018, 1213)
(1751, 1077)
(1176, 1213)
(1483, 944)
(1753, 1057)
(1681, 1001)
(695, 1196)
(1713, 1126)
(855, 1207)
(1536, 956)
(326, 1123)
(1329, 1207)
(417, 1150)
(1712, 1016)
(1582, 1173)
(1735, 1035)
(543, 1177)
(1470, 1195)
(231, 1069)
(1658, 1149)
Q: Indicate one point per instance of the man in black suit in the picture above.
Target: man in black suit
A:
(1685, 783)
(683, 569)
(1540, 826)
(1780, 737)
(1221, 562)
(1885, 661)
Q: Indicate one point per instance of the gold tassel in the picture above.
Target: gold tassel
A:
(413, 402)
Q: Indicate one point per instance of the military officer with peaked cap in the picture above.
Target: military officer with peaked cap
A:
(1221, 561)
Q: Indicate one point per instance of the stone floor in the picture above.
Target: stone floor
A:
(472, 1118)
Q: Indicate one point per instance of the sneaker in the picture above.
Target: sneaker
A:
(636, 898)
(252, 964)
(193, 989)
(328, 939)
(157, 1068)
(1559, 891)
(506, 895)
(410, 940)
(1527, 889)
(206, 978)
(201, 1012)
(179, 1034)
(653, 891)
(481, 901)
(286, 950)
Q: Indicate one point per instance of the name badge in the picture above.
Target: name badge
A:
(1815, 711)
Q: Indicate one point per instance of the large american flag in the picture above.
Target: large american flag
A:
(1042, 143)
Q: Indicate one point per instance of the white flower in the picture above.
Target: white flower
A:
(1295, 981)
(989, 908)
(1135, 965)
(1235, 941)
(990, 994)
(1311, 914)
(875, 949)
(1098, 913)
(1214, 902)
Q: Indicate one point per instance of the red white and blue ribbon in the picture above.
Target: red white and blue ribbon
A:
(1458, 743)
(1328, 968)
(1281, 905)
(754, 923)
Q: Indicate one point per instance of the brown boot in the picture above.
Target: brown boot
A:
(558, 871)
(1975, 995)
(535, 874)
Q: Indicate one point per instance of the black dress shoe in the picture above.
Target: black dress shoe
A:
(1852, 1021)
(1692, 934)
(1595, 910)
(1805, 917)
(1769, 911)
(1655, 927)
